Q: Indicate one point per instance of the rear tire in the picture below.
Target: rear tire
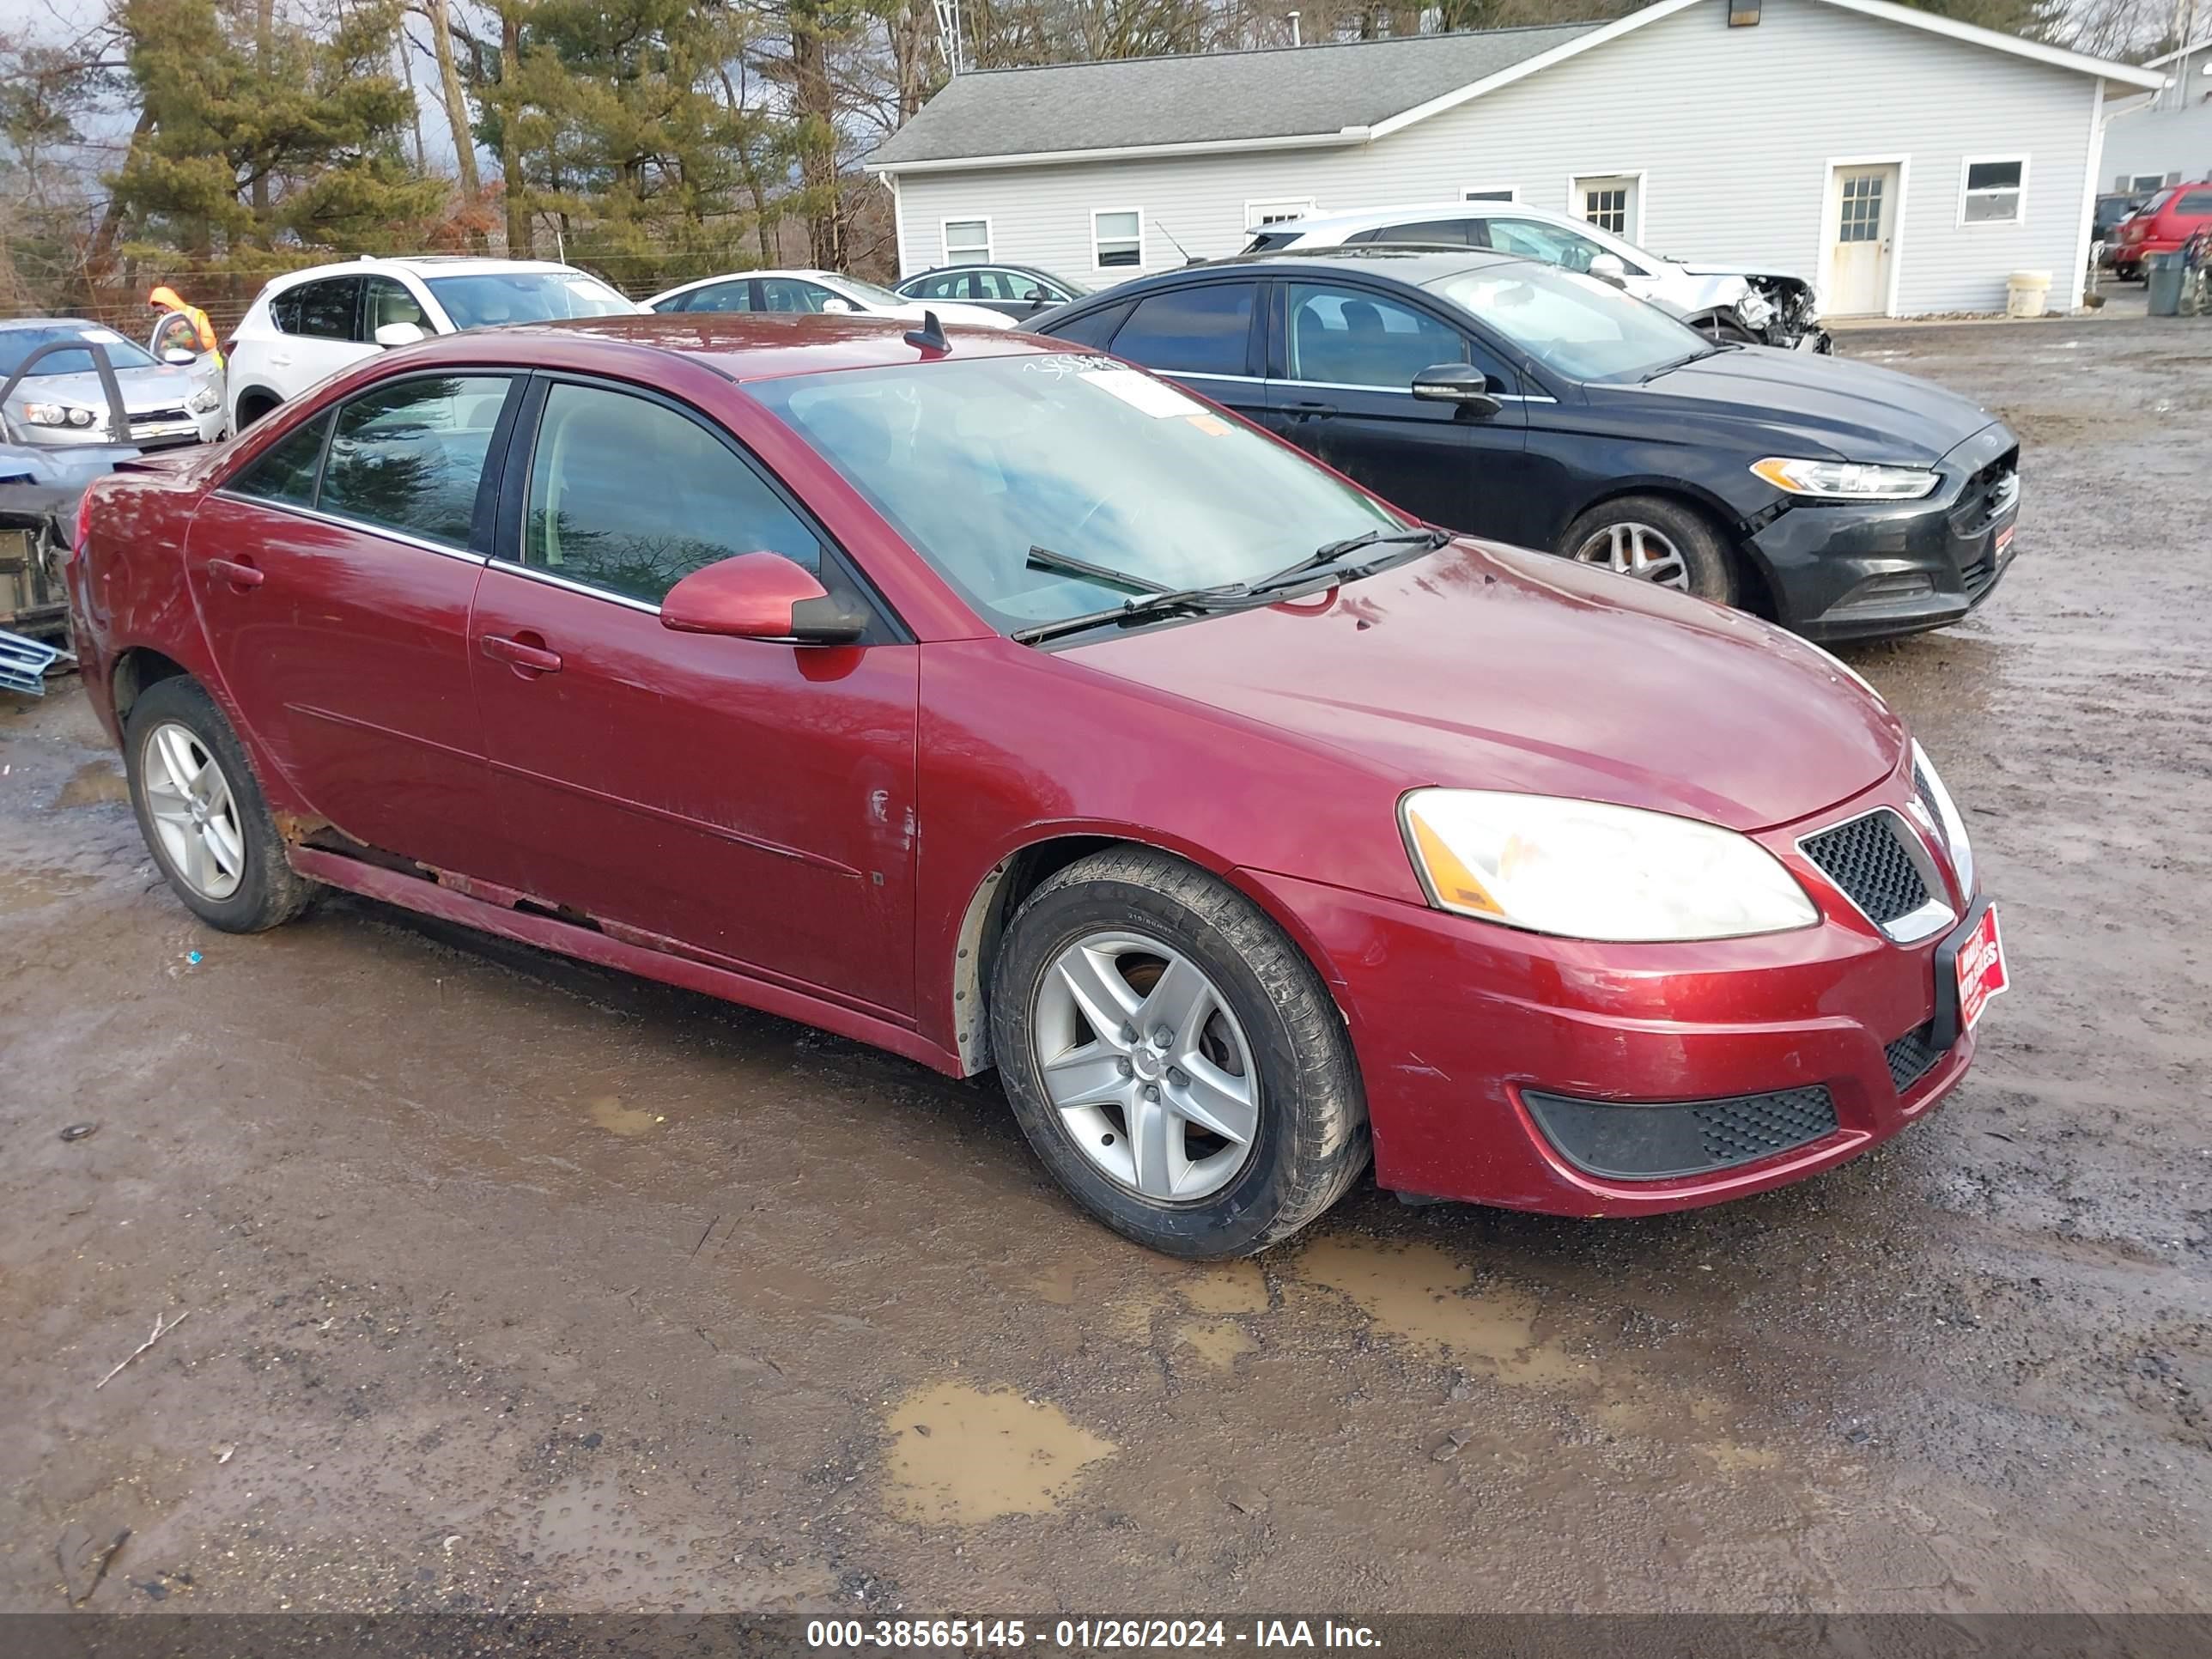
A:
(210, 830)
(1266, 1037)
(1657, 540)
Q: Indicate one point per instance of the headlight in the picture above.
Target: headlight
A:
(1584, 869)
(1929, 787)
(1755, 310)
(57, 415)
(1854, 479)
(202, 401)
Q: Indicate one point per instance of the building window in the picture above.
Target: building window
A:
(1993, 192)
(1258, 216)
(1609, 202)
(1860, 218)
(1117, 238)
(2146, 181)
(967, 242)
(1493, 193)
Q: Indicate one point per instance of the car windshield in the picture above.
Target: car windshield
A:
(871, 292)
(17, 343)
(484, 301)
(1585, 329)
(978, 463)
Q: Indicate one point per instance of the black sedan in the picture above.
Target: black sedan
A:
(1521, 402)
(1016, 291)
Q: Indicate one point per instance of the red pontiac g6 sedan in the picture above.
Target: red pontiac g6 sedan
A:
(1001, 705)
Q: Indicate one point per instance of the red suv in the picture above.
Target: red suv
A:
(1003, 707)
(2161, 225)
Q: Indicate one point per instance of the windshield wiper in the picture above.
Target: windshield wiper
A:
(1043, 558)
(1158, 601)
(1228, 596)
(1329, 552)
(1649, 376)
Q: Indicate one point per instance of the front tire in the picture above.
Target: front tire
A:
(1174, 1060)
(1656, 540)
(203, 813)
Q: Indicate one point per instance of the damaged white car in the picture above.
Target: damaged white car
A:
(1729, 302)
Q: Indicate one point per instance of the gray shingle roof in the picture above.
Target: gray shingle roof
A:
(1287, 92)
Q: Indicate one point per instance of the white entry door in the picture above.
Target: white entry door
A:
(1864, 234)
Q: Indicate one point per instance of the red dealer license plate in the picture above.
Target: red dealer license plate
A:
(1981, 969)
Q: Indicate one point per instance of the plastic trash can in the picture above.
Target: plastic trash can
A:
(2162, 275)
(2027, 293)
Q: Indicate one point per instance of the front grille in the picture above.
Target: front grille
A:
(158, 417)
(1911, 1056)
(1654, 1142)
(1867, 858)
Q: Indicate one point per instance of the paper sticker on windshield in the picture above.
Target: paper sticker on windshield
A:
(101, 335)
(1213, 425)
(1143, 393)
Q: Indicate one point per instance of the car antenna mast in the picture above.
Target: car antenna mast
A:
(1178, 247)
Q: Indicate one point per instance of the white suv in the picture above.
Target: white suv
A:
(308, 325)
(1744, 303)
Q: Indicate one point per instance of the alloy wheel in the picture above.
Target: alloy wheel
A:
(194, 813)
(1637, 549)
(1150, 1072)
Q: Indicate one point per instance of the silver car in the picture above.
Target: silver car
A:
(60, 403)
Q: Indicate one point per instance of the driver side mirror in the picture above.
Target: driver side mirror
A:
(177, 358)
(391, 335)
(837, 308)
(1457, 383)
(760, 595)
(1608, 268)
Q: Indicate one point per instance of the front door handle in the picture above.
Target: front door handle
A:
(528, 657)
(238, 573)
(1313, 411)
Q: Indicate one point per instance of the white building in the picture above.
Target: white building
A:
(2165, 139)
(1906, 162)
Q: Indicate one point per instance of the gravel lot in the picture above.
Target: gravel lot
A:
(509, 1283)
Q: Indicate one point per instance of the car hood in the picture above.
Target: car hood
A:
(1714, 268)
(1487, 667)
(165, 386)
(1820, 407)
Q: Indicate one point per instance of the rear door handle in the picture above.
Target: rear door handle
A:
(240, 575)
(1313, 411)
(521, 655)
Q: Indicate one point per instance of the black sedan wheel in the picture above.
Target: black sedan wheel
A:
(1655, 540)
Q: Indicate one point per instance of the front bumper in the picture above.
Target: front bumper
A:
(1871, 570)
(1458, 1024)
(147, 436)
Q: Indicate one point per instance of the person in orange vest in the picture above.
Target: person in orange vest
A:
(190, 329)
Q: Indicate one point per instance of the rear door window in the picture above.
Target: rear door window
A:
(718, 296)
(409, 456)
(1097, 328)
(2194, 204)
(331, 309)
(1196, 331)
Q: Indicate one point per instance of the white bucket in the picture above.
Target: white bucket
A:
(2027, 293)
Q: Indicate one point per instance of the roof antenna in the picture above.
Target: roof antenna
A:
(1178, 247)
(930, 337)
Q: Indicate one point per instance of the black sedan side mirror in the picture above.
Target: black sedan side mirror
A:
(1457, 383)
